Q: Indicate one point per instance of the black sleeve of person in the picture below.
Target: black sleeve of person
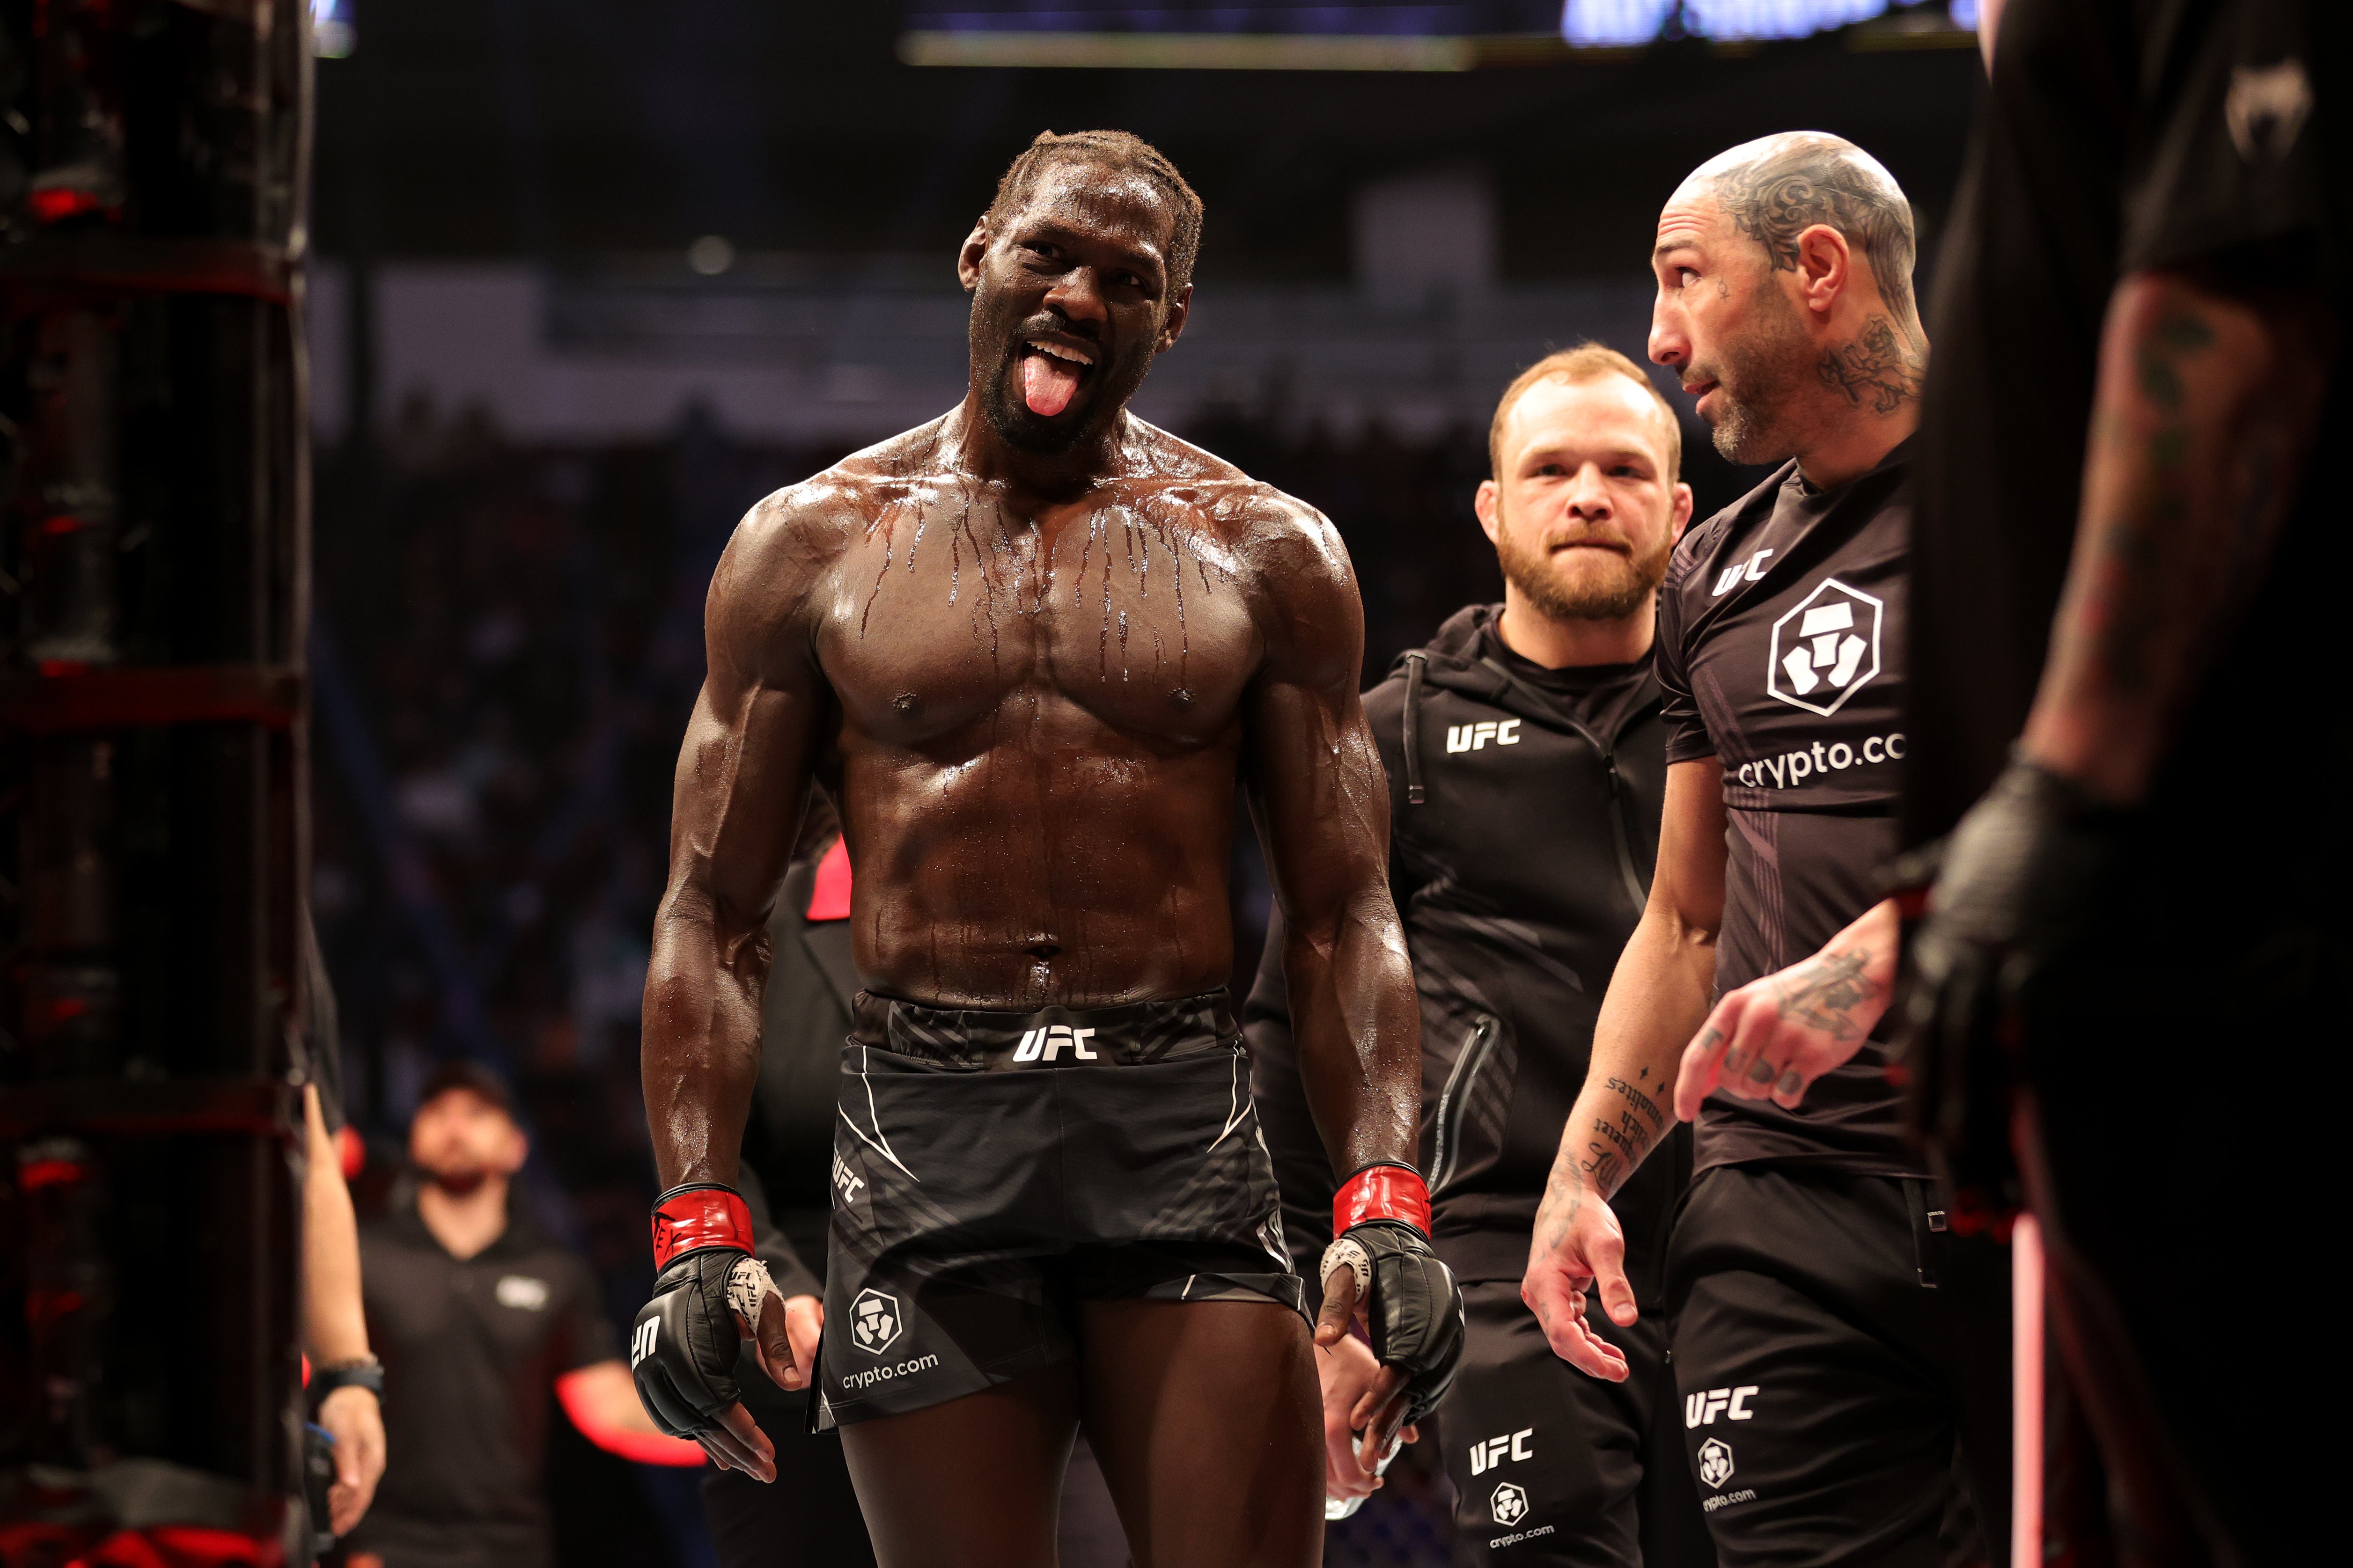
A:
(1415, 1316)
(771, 1247)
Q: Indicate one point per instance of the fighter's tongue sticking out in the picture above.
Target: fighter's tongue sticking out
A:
(1048, 384)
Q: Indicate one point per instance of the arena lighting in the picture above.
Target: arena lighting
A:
(333, 34)
(1463, 36)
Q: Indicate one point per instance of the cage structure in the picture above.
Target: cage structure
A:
(153, 568)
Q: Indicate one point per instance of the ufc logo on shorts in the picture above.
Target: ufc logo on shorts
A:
(845, 1180)
(1486, 1455)
(1041, 1045)
(1474, 737)
(1732, 1404)
(641, 1344)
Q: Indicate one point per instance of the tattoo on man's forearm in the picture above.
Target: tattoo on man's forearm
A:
(1640, 1102)
(1825, 999)
(2131, 607)
(1881, 363)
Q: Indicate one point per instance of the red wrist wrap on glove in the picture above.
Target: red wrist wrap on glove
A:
(1382, 1192)
(687, 1219)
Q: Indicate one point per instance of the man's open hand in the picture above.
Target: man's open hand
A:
(1773, 1036)
(1578, 1247)
(353, 1417)
(1354, 1383)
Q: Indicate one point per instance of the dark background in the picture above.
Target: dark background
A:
(509, 624)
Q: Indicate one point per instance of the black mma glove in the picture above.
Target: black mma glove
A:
(2014, 885)
(682, 1351)
(1413, 1309)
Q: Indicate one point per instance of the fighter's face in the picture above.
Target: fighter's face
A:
(459, 1138)
(1725, 321)
(1071, 301)
(1583, 513)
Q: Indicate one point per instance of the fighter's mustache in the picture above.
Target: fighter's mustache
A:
(1555, 542)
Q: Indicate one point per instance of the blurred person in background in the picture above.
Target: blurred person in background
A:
(1526, 763)
(2130, 734)
(345, 1385)
(479, 1316)
(1843, 1355)
(809, 1513)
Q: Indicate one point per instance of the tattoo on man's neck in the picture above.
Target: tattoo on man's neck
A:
(1827, 998)
(1882, 363)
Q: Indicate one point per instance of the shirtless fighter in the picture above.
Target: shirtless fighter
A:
(1029, 649)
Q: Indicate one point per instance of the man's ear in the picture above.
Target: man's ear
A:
(1180, 311)
(1682, 507)
(1825, 268)
(968, 259)
(518, 1151)
(1488, 502)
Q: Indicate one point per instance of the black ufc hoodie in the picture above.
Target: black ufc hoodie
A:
(1525, 808)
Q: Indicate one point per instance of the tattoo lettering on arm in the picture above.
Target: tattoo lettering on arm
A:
(1825, 999)
(1881, 363)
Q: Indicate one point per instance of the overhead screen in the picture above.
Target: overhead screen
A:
(1594, 22)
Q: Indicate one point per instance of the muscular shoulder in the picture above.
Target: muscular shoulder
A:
(783, 554)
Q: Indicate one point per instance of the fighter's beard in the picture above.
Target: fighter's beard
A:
(1108, 386)
(1620, 589)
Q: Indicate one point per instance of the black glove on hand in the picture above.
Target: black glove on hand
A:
(1413, 1309)
(1414, 1317)
(2014, 885)
(682, 1351)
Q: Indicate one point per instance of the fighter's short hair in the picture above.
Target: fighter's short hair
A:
(1776, 188)
(1588, 361)
(1118, 150)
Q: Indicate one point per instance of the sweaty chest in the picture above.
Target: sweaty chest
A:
(943, 620)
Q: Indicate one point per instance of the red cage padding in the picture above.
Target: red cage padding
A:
(1382, 1192)
(692, 1218)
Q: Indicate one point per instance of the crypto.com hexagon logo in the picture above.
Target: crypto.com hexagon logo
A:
(1509, 1505)
(875, 1323)
(1826, 650)
(1715, 1463)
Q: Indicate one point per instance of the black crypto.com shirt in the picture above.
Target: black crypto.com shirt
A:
(2118, 136)
(1781, 653)
(472, 1350)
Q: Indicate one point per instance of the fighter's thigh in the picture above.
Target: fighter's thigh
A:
(1547, 1462)
(1814, 1443)
(974, 1482)
(1206, 1419)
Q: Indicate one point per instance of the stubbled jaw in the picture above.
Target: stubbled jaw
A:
(1051, 372)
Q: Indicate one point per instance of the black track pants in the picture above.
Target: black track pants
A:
(1554, 1469)
(1844, 1367)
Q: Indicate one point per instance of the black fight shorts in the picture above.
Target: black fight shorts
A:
(991, 1170)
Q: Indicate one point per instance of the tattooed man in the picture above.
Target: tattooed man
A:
(1826, 1375)
(2129, 643)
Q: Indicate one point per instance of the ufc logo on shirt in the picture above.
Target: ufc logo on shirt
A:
(1474, 737)
(1044, 1045)
(641, 1344)
(1751, 570)
(1514, 1445)
(1732, 1404)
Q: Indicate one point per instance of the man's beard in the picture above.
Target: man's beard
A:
(1619, 589)
(1111, 383)
(1759, 382)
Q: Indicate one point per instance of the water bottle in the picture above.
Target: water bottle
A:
(1342, 1507)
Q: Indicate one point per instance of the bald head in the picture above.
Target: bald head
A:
(1776, 188)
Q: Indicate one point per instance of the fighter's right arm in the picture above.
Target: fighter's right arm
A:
(1658, 999)
(750, 749)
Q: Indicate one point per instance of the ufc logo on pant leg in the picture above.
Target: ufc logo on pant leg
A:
(1486, 1455)
(641, 1344)
(1732, 1404)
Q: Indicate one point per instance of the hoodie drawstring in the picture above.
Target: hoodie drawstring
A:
(1414, 794)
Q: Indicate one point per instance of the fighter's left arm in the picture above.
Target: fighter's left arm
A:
(1317, 792)
(1318, 795)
